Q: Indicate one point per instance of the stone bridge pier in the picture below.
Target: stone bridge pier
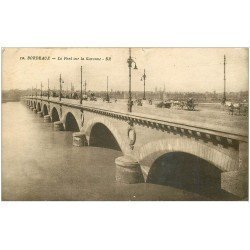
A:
(155, 150)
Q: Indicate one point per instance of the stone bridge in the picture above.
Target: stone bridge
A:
(147, 142)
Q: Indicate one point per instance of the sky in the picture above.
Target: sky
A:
(179, 69)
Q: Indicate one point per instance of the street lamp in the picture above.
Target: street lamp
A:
(81, 87)
(107, 98)
(224, 93)
(32, 91)
(36, 90)
(41, 89)
(130, 61)
(144, 78)
(60, 91)
(48, 88)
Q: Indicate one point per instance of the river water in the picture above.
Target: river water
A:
(39, 163)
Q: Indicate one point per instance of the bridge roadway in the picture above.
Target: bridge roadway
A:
(148, 133)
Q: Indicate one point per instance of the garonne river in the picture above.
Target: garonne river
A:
(39, 163)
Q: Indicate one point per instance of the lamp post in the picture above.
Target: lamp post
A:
(60, 90)
(130, 61)
(41, 90)
(85, 90)
(32, 91)
(224, 93)
(81, 87)
(36, 90)
(48, 88)
(144, 78)
(107, 89)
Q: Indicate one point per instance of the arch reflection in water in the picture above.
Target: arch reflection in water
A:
(187, 172)
(101, 136)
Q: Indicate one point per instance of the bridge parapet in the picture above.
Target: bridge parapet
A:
(204, 133)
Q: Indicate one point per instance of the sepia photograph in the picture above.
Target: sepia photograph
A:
(125, 124)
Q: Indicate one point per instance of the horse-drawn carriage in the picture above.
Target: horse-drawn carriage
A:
(138, 102)
(92, 97)
(106, 99)
(75, 95)
(237, 108)
(188, 105)
(163, 104)
(85, 97)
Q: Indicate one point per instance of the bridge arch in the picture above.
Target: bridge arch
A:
(101, 136)
(153, 150)
(70, 123)
(54, 115)
(187, 172)
(38, 106)
(123, 145)
(45, 109)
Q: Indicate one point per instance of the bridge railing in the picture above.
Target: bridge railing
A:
(225, 138)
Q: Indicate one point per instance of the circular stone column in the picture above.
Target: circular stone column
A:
(79, 139)
(58, 126)
(47, 118)
(40, 113)
(128, 170)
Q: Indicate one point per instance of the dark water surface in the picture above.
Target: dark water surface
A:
(39, 163)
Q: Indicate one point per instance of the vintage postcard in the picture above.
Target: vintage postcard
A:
(119, 124)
